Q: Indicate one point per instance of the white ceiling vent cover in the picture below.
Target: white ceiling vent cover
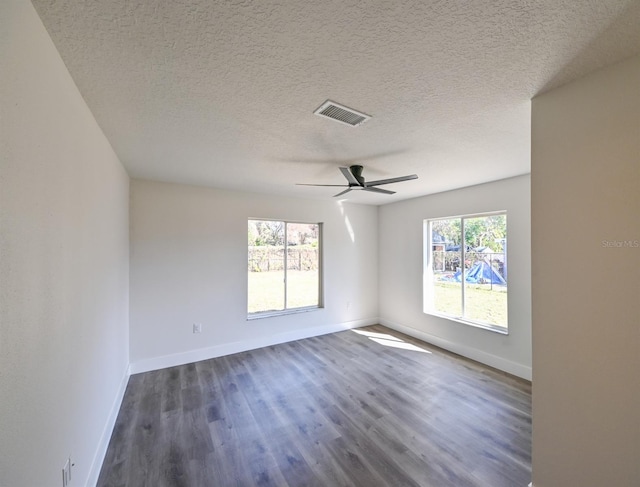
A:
(342, 114)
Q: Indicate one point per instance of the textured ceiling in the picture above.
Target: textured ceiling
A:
(222, 93)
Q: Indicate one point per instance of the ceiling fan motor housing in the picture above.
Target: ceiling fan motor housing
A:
(356, 170)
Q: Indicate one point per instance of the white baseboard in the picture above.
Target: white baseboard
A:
(101, 451)
(513, 368)
(190, 356)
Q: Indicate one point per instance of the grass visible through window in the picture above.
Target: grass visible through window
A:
(267, 290)
(481, 302)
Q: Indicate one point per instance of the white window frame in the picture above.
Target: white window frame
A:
(301, 309)
(428, 278)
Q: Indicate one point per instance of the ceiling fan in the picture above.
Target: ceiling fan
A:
(353, 175)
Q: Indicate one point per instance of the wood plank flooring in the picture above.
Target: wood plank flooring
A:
(367, 407)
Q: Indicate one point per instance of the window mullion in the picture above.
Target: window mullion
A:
(463, 270)
(285, 263)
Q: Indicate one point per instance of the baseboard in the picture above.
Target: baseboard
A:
(101, 451)
(513, 368)
(165, 361)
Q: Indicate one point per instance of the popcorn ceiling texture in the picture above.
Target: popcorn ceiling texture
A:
(222, 93)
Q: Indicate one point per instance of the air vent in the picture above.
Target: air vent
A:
(341, 114)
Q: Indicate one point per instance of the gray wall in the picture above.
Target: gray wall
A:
(64, 262)
(401, 265)
(189, 261)
(586, 292)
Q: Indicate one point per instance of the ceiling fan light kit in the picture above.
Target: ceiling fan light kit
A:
(353, 175)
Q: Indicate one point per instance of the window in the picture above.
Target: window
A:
(284, 272)
(465, 274)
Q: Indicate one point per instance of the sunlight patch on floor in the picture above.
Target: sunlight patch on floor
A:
(390, 341)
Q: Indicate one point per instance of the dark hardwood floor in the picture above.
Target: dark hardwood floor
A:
(368, 407)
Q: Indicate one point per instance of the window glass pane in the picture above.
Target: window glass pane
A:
(485, 293)
(266, 266)
(303, 282)
(446, 237)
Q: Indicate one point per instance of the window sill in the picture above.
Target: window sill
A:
(271, 314)
(476, 324)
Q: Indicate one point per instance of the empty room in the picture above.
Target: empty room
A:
(333, 243)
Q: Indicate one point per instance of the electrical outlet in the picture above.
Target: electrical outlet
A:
(66, 473)
(197, 327)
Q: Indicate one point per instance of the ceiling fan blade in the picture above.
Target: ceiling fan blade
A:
(342, 192)
(392, 180)
(378, 190)
(330, 185)
(347, 174)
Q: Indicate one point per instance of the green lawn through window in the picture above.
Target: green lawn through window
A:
(482, 303)
(266, 290)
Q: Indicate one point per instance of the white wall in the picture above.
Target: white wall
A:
(63, 265)
(586, 316)
(400, 272)
(189, 260)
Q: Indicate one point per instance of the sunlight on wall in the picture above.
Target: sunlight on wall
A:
(347, 222)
